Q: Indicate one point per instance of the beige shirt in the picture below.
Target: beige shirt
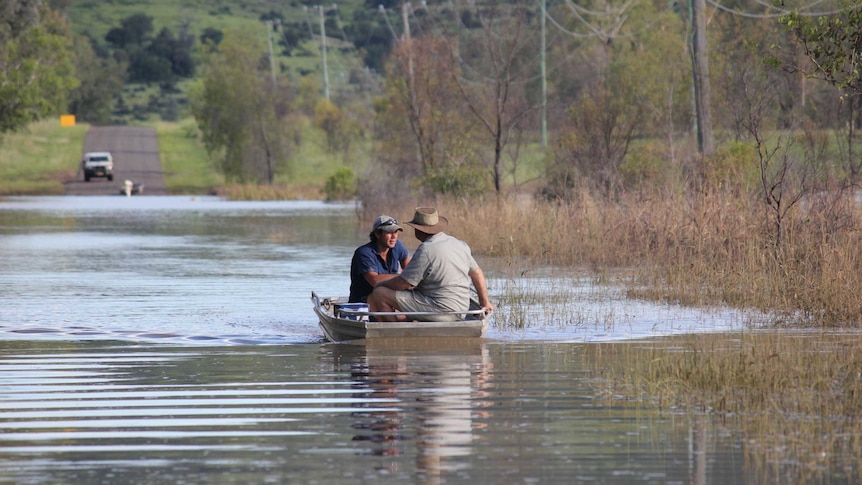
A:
(439, 272)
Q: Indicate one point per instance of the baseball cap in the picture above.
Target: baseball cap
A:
(386, 224)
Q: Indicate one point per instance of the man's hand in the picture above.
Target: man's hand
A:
(478, 278)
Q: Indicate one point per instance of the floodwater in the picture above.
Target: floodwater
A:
(172, 340)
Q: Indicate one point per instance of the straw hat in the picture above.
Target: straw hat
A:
(427, 220)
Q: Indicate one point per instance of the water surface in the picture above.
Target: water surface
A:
(171, 340)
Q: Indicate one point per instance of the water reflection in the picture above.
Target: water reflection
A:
(171, 340)
(438, 386)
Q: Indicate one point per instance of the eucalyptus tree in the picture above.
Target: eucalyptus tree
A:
(496, 60)
(239, 111)
(101, 79)
(832, 43)
(424, 130)
(36, 69)
(628, 79)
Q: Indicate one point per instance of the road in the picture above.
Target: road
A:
(135, 150)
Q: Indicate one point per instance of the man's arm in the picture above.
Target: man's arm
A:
(396, 283)
(373, 277)
(478, 278)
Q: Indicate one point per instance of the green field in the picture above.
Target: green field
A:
(38, 159)
(96, 17)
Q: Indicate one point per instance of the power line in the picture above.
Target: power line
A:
(780, 11)
(382, 11)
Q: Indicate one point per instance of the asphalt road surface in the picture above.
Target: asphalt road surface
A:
(135, 150)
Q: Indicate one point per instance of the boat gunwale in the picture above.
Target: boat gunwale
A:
(334, 327)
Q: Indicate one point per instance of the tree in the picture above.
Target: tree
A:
(101, 80)
(333, 121)
(833, 44)
(177, 50)
(211, 36)
(630, 83)
(36, 70)
(493, 89)
(372, 37)
(134, 30)
(238, 110)
(601, 128)
(422, 125)
(660, 76)
(328, 118)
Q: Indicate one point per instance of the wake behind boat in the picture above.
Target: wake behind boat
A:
(341, 321)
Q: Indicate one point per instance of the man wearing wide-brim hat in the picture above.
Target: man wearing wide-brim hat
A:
(438, 277)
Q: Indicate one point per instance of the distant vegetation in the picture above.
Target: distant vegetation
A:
(585, 136)
(583, 116)
(152, 55)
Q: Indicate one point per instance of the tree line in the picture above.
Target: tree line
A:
(465, 89)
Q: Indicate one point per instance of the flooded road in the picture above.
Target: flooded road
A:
(190, 269)
(135, 151)
(100, 412)
(171, 340)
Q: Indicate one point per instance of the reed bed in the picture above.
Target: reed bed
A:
(710, 248)
(795, 396)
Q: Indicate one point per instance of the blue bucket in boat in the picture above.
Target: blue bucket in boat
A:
(362, 307)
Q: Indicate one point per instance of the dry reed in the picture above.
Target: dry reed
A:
(796, 397)
(713, 247)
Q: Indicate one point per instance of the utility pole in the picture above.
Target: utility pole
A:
(407, 42)
(700, 70)
(269, 24)
(544, 81)
(405, 20)
(323, 53)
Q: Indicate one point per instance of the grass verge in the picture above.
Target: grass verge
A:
(38, 159)
(185, 161)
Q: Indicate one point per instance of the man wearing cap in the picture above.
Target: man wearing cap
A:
(381, 258)
(438, 278)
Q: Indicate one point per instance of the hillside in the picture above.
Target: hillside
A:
(295, 32)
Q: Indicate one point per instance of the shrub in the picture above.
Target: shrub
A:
(341, 185)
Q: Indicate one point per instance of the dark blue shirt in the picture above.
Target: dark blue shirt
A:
(365, 259)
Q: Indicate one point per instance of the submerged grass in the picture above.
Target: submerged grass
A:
(795, 396)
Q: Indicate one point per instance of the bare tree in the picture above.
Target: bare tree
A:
(784, 179)
(493, 90)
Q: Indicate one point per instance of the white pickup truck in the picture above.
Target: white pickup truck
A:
(97, 164)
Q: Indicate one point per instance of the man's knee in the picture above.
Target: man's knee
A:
(386, 297)
(374, 297)
(378, 296)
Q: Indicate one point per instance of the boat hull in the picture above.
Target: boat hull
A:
(342, 329)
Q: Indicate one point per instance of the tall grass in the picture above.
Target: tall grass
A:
(701, 248)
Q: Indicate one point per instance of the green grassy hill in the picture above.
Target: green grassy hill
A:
(95, 18)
